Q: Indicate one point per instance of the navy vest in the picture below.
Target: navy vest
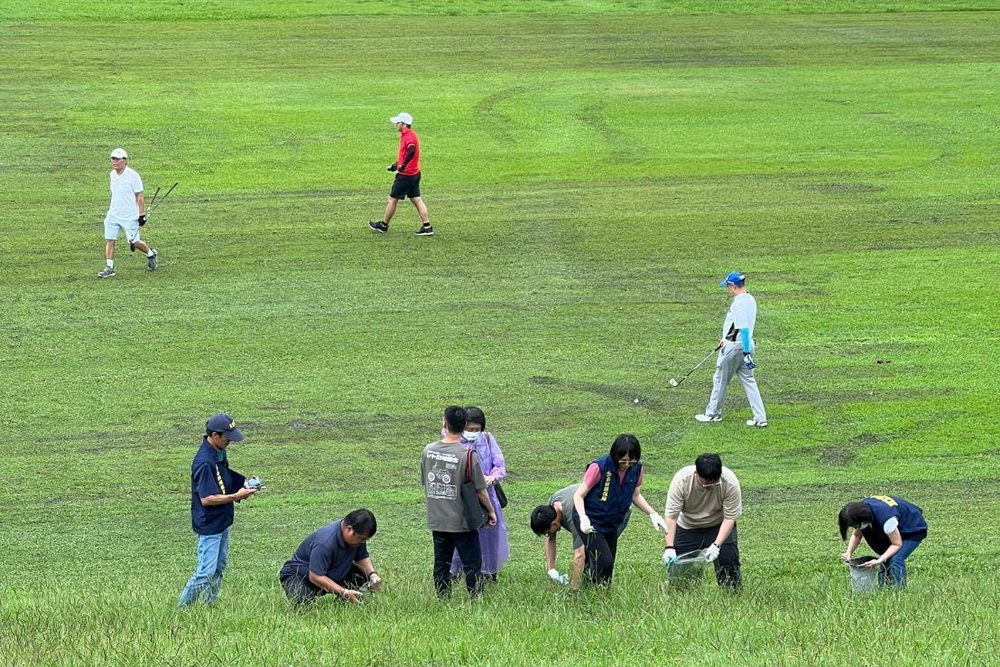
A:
(912, 525)
(610, 499)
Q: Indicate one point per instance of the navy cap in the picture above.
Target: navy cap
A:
(224, 424)
(736, 278)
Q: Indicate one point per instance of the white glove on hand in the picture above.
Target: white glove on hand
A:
(711, 553)
(669, 557)
(558, 578)
(585, 526)
(373, 581)
(658, 522)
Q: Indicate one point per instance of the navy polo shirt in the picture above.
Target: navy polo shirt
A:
(325, 553)
(210, 475)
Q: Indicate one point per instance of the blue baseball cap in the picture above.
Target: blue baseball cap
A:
(224, 424)
(736, 278)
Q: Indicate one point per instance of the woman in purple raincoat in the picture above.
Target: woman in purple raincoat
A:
(492, 540)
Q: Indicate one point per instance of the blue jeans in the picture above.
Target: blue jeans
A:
(893, 572)
(206, 582)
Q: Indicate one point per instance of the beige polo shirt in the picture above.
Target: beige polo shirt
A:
(695, 506)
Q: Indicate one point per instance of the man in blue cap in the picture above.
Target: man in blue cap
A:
(214, 489)
(736, 350)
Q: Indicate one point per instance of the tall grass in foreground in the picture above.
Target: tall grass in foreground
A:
(800, 618)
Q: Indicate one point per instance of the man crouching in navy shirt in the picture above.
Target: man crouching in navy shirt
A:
(333, 559)
(214, 489)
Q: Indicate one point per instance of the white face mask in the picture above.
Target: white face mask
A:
(471, 436)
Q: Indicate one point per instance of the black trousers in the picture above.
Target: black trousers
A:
(600, 550)
(727, 565)
(467, 545)
(299, 589)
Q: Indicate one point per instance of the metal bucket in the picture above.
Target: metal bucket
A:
(863, 579)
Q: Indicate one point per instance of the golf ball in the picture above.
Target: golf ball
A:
(635, 400)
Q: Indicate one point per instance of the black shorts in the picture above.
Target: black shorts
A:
(405, 186)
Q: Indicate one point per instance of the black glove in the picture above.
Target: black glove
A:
(392, 167)
(142, 220)
(749, 361)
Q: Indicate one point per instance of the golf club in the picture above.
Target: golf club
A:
(155, 195)
(156, 205)
(675, 383)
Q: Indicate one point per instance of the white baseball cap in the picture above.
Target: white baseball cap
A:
(402, 117)
(119, 153)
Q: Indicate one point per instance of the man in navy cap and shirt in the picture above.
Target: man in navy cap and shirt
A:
(214, 489)
(333, 559)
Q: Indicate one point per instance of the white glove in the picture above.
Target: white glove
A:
(374, 580)
(585, 526)
(558, 578)
(658, 522)
(711, 553)
(669, 557)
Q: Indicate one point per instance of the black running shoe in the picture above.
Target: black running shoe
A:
(426, 230)
(379, 226)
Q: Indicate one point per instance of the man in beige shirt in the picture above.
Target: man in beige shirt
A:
(703, 504)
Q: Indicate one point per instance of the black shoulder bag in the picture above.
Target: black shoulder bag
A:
(475, 515)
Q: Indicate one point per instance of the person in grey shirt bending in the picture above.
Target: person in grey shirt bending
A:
(548, 520)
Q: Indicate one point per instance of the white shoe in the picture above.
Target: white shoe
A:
(756, 424)
(708, 418)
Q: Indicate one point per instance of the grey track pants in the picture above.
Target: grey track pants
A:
(730, 363)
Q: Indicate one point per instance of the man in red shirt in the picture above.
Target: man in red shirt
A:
(407, 183)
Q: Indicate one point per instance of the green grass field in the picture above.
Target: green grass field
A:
(592, 170)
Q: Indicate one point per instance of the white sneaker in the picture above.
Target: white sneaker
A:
(756, 424)
(708, 418)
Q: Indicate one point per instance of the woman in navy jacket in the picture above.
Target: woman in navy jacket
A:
(611, 485)
(891, 526)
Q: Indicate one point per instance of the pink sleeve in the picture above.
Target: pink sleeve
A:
(592, 476)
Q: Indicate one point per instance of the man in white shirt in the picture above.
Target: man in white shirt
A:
(127, 213)
(736, 354)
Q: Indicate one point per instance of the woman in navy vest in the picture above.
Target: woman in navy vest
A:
(891, 526)
(611, 484)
